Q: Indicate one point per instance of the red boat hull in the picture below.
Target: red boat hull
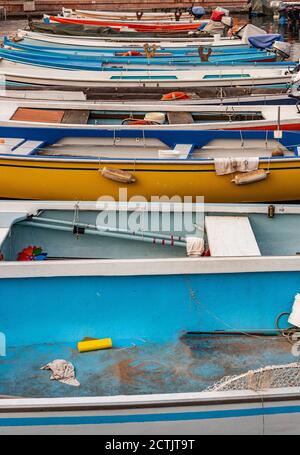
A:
(167, 28)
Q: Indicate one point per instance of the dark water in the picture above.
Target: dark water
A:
(291, 32)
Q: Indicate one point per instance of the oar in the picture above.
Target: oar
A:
(114, 234)
(111, 229)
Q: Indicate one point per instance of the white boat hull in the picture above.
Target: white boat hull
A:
(271, 412)
(31, 74)
(113, 42)
(286, 117)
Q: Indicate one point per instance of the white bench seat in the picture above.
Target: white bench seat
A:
(230, 236)
(180, 151)
(26, 148)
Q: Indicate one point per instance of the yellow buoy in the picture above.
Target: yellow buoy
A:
(94, 344)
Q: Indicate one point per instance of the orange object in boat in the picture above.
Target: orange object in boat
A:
(175, 96)
(236, 25)
(137, 122)
(132, 54)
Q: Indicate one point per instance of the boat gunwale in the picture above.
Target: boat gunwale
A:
(39, 36)
(99, 161)
(148, 267)
(193, 399)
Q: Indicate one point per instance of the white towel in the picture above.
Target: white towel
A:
(194, 246)
(62, 371)
(229, 165)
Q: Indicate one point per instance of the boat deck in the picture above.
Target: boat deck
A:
(189, 365)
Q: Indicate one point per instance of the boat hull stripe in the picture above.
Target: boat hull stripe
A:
(140, 418)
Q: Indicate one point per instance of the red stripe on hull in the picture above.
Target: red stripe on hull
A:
(270, 59)
(285, 127)
(137, 27)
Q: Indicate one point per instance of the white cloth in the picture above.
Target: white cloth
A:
(194, 246)
(294, 317)
(62, 371)
(229, 165)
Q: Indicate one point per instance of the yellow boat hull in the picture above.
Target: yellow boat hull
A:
(74, 180)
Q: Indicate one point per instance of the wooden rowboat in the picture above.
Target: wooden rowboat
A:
(92, 115)
(127, 15)
(32, 74)
(68, 163)
(156, 28)
(115, 40)
(53, 59)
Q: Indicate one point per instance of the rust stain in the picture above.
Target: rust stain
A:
(126, 372)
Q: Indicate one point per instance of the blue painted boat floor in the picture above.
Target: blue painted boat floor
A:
(188, 365)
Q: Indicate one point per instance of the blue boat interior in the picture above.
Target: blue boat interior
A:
(109, 64)
(162, 51)
(138, 234)
(191, 364)
(182, 341)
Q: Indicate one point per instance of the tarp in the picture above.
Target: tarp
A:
(265, 41)
(214, 28)
(249, 30)
(198, 11)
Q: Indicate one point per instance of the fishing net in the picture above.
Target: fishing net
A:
(269, 377)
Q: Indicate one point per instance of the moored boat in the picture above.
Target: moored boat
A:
(137, 26)
(149, 53)
(139, 80)
(229, 96)
(222, 166)
(92, 115)
(108, 63)
(129, 15)
(165, 312)
(241, 38)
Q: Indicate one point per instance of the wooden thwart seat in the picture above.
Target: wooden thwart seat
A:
(179, 118)
(76, 117)
(230, 236)
(38, 115)
(80, 117)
